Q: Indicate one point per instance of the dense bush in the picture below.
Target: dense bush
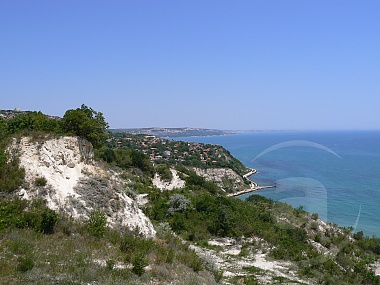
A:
(139, 263)
(87, 123)
(178, 203)
(126, 159)
(164, 172)
(40, 181)
(27, 214)
(33, 122)
(11, 175)
(25, 263)
(97, 223)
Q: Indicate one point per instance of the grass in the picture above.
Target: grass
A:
(77, 257)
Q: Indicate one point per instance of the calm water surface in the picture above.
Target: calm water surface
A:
(334, 173)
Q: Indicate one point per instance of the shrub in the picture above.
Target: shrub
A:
(48, 220)
(11, 175)
(110, 264)
(170, 256)
(164, 172)
(314, 216)
(314, 226)
(25, 263)
(178, 203)
(190, 259)
(39, 217)
(359, 235)
(317, 237)
(139, 262)
(130, 243)
(40, 181)
(97, 223)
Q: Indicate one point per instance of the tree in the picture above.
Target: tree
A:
(86, 123)
(141, 161)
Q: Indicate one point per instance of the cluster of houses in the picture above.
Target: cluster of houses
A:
(10, 114)
(160, 150)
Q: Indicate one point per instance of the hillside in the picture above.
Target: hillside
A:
(110, 212)
(212, 162)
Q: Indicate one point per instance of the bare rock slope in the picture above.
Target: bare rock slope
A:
(75, 183)
(225, 178)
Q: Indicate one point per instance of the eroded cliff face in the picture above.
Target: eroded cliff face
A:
(225, 178)
(76, 184)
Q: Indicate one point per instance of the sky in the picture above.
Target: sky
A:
(236, 65)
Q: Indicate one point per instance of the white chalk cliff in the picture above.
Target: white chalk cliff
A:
(76, 184)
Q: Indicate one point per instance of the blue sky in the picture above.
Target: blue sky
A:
(289, 64)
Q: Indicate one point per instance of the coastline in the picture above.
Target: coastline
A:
(253, 186)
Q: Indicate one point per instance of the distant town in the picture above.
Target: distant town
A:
(10, 114)
(174, 152)
(175, 132)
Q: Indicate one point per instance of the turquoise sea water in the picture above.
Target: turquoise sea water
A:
(334, 173)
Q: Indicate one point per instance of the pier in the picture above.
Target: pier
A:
(254, 186)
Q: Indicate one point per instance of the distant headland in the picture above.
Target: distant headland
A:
(175, 132)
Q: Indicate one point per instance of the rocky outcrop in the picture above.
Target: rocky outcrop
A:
(75, 183)
(176, 181)
(225, 178)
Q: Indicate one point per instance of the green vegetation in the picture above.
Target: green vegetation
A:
(205, 216)
(70, 254)
(83, 122)
(164, 151)
(40, 181)
(164, 172)
(97, 223)
(126, 159)
(41, 246)
(86, 123)
(11, 175)
(24, 214)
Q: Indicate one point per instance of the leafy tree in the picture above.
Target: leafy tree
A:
(141, 161)
(106, 154)
(87, 123)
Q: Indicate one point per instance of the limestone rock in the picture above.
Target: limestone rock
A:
(76, 183)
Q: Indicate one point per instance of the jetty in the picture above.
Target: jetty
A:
(253, 186)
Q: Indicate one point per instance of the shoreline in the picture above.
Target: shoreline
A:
(253, 187)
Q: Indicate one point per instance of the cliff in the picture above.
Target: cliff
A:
(75, 183)
(225, 178)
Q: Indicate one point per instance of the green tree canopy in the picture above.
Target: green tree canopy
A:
(87, 123)
(29, 122)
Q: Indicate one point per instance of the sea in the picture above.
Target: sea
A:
(333, 173)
